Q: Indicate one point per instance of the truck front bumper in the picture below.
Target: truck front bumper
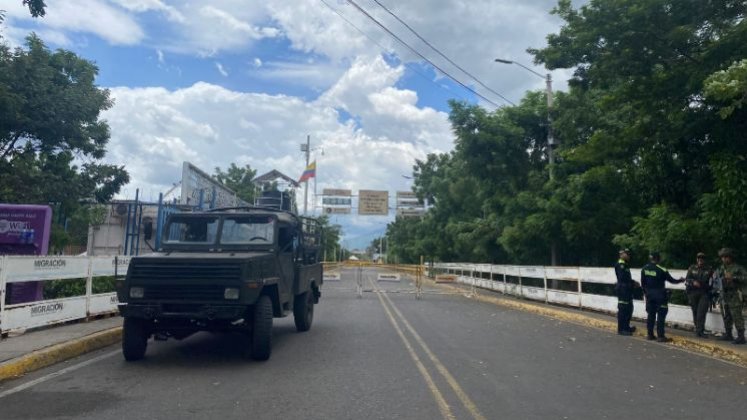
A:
(197, 311)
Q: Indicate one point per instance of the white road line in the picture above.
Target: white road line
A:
(61, 372)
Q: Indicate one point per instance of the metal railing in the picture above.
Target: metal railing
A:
(20, 316)
(536, 283)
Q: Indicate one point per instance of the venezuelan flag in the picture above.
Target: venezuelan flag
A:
(310, 172)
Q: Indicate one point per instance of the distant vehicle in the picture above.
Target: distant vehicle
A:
(230, 269)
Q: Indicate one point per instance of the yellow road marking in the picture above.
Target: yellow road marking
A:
(468, 403)
(443, 407)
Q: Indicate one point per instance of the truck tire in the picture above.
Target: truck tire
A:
(303, 311)
(261, 344)
(134, 339)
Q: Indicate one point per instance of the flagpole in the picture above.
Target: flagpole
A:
(306, 183)
(313, 209)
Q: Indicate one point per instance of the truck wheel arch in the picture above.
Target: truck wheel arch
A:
(271, 290)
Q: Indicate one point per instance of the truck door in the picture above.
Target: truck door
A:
(286, 259)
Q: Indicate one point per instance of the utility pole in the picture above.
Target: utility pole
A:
(307, 149)
(550, 137)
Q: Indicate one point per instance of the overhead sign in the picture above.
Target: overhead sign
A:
(407, 199)
(373, 203)
(336, 192)
(195, 181)
(337, 201)
(408, 205)
(337, 210)
(415, 212)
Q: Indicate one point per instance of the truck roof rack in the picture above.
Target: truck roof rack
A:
(273, 209)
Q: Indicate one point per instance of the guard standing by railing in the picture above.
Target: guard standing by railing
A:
(653, 281)
(697, 287)
(624, 290)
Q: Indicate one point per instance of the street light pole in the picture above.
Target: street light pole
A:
(550, 138)
(548, 94)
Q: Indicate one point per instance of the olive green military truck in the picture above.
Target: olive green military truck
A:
(226, 270)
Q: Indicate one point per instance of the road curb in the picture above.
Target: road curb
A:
(58, 353)
(709, 349)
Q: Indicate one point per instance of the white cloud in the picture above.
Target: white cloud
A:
(142, 6)
(221, 70)
(257, 63)
(154, 130)
(318, 76)
(81, 16)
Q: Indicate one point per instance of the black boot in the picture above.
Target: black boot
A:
(740, 338)
(726, 337)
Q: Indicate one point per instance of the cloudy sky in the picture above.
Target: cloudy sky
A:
(219, 81)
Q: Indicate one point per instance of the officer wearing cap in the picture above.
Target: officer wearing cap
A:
(734, 279)
(697, 287)
(653, 278)
(624, 289)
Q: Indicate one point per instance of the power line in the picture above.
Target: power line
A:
(410, 66)
(416, 52)
(440, 53)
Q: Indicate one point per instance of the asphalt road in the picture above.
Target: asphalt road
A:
(390, 356)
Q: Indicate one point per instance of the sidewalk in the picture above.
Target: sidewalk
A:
(687, 340)
(24, 353)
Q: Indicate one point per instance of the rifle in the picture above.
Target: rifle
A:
(717, 290)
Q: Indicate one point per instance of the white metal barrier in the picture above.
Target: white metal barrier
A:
(473, 275)
(16, 269)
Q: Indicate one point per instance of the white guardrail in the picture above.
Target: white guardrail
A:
(474, 275)
(15, 269)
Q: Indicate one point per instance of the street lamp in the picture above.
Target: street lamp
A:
(550, 139)
(548, 89)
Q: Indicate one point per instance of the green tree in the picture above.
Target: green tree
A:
(37, 8)
(651, 84)
(239, 179)
(52, 139)
(331, 234)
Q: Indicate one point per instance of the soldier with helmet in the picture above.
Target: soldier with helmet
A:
(697, 287)
(734, 278)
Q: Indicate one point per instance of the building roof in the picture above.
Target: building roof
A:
(274, 175)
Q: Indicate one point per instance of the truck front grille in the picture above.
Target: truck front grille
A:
(184, 270)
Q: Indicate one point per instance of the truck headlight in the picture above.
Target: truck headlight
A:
(137, 292)
(231, 293)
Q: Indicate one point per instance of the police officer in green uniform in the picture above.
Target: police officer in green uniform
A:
(697, 287)
(734, 279)
(653, 278)
(624, 289)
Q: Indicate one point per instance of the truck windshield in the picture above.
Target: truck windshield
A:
(192, 230)
(254, 230)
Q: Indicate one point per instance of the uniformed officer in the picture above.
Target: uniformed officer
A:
(734, 279)
(624, 289)
(697, 287)
(653, 278)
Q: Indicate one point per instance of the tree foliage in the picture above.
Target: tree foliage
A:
(239, 179)
(652, 152)
(52, 140)
(37, 8)
(331, 234)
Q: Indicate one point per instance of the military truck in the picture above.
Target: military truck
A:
(224, 270)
